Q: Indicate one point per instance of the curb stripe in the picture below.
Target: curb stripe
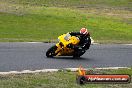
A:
(54, 70)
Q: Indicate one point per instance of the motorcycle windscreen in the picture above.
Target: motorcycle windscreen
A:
(67, 37)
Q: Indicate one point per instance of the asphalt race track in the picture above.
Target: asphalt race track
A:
(31, 56)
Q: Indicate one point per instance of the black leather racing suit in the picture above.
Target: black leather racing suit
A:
(84, 43)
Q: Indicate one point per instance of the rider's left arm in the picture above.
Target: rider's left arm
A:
(75, 33)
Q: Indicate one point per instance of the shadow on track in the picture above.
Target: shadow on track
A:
(71, 58)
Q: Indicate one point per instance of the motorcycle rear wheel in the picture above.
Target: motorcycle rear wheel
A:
(78, 54)
(51, 51)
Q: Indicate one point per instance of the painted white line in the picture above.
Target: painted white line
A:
(33, 42)
(55, 70)
(75, 69)
(92, 43)
(71, 69)
(29, 71)
(114, 68)
(128, 44)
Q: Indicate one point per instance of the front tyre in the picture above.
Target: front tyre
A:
(51, 51)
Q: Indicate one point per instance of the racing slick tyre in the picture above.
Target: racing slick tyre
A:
(51, 51)
(78, 53)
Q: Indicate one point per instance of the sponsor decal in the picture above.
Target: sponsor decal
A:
(83, 78)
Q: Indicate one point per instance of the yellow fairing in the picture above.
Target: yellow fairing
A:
(64, 40)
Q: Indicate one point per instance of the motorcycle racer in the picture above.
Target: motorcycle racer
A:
(84, 43)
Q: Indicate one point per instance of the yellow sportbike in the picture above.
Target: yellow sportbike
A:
(60, 49)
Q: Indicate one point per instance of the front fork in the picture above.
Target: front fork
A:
(59, 49)
(63, 50)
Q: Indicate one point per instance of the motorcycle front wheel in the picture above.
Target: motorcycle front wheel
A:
(51, 51)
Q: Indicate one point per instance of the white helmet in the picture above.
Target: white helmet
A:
(83, 31)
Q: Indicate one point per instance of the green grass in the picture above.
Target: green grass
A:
(56, 80)
(25, 21)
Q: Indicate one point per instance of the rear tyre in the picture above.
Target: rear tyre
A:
(51, 51)
(77, 54)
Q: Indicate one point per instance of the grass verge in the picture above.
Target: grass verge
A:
(23, 21)
(59, 79)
